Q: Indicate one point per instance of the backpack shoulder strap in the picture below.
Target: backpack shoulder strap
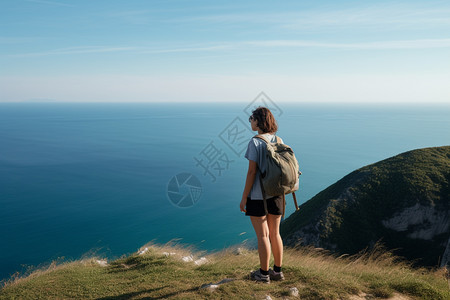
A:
(259, 136)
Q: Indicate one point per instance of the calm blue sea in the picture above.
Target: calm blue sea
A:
(101, 178)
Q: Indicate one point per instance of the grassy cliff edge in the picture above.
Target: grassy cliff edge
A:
(170, 272)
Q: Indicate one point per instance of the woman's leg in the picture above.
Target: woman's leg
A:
(262, 233)
(273, 222)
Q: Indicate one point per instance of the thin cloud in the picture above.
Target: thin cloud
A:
(137, 50)
(405, 44)
(390, 17)
(247, 45)
(368, 16)
(53, 3)
(75, 50)
(189, 49)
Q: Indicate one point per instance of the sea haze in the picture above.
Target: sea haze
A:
(84, 178)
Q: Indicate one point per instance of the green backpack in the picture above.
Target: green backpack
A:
(282, 171)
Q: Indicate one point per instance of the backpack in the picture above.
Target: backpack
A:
(281, 172)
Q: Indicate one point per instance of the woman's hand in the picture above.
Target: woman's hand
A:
(243, 204)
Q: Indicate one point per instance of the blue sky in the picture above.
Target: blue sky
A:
(210, 51)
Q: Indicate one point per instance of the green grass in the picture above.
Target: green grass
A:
(316, 274)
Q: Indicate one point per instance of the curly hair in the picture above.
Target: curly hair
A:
(265, 120)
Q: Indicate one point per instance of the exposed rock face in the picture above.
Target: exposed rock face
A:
(422, 222)
(403, 201)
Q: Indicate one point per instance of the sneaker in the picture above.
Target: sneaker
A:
(256, 275)
(276, 275)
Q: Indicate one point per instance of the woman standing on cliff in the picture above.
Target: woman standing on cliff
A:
(266, 225)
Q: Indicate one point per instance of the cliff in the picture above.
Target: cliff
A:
(403, 201)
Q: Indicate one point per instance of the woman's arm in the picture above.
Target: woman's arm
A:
(251, 173)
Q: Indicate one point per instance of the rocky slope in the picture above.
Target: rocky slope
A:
(403, 201)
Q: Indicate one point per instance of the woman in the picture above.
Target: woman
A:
(267, 226)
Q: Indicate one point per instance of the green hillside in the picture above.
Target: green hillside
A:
(403, 201)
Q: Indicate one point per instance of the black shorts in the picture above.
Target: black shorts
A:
(255, 208)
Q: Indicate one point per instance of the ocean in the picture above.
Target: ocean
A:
(83, 179)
